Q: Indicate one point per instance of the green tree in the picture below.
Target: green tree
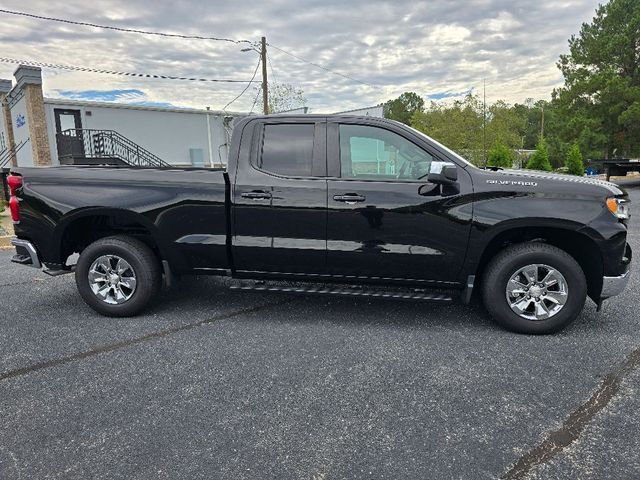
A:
(501, 156)
(600, 100)
(460, 126)
(403, 107)
(540, 158)
(457, 125)
(573, 161)
(504, 125)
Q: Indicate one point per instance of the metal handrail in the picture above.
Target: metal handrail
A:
(105, 144)
(7, 153)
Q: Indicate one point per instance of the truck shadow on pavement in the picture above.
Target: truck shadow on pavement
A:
(196, 296)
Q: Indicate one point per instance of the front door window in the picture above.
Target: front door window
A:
(377, 154)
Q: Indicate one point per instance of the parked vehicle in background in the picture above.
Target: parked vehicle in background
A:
(339, 205)
(616, 167)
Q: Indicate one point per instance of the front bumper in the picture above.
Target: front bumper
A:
(612, 286)
(26, 253)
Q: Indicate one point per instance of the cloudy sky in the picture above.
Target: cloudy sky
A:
(438, 49)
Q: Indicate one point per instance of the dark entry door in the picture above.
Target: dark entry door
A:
(70, 144)
(384, 219)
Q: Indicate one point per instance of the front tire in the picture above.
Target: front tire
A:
(118, 276)
(534, 288)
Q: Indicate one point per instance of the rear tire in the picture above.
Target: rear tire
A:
(118, 276)
(538, 307)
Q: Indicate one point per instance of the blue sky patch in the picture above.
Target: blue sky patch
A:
(448, 94)
(122, 95)
(130, 96)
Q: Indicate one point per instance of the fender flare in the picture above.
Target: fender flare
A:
(134, 217)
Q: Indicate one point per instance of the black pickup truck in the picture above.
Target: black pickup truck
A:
(331, 205)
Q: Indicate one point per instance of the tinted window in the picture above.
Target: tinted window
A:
(376, 153)
(287, 149)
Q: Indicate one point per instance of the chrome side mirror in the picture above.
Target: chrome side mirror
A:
(443, 173)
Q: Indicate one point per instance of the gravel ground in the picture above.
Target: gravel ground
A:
(212, 383)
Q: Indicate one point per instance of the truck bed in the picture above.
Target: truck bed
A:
(169, 205)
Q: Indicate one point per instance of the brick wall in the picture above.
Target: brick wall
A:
(37, 125)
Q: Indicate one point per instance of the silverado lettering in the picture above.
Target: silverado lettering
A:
(513, 182)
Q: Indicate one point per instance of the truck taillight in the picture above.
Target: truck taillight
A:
(14, 182)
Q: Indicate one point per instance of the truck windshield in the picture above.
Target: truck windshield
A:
(448, 150)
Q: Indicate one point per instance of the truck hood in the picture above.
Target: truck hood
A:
(543, 177)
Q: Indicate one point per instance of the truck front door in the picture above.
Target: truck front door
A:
(280, 199)
(385, 221)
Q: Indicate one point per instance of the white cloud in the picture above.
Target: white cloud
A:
(503, 22)
(428, 47)
(450, 34)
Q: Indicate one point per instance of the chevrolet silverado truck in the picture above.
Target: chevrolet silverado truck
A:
(356, 206)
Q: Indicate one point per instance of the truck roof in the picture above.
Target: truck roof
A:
(318, 116)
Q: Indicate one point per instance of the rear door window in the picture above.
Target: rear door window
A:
(287, 149)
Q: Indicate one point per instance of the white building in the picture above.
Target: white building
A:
(375, 111)
(49, 131)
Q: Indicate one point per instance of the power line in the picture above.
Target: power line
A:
(56, 66)
(122, 29)
(273, 73)
(247, 87)
(255, 100)
(184, 36)
(323, 67)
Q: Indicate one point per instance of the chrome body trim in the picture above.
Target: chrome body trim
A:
(28, 246)
(612, 286)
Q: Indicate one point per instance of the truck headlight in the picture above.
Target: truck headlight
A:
(619, 207)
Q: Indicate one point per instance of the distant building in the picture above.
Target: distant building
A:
(50, 131)
(376, 111)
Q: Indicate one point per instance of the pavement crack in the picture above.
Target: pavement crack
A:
(18, 372)
(558, 440)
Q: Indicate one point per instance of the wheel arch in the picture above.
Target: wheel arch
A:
(577, 244)
(78, 229)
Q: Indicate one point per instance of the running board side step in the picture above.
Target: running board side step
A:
(349, 291)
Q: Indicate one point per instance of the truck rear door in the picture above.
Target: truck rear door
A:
(280, 199)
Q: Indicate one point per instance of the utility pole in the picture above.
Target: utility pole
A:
(542, 123)
(265, 93)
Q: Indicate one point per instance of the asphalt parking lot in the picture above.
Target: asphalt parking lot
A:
(212, 383)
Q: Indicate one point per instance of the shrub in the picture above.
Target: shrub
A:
(501, 156)
(540, 158)
(573, 161)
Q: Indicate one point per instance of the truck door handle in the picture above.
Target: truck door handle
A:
(349, 198)
(256, 195)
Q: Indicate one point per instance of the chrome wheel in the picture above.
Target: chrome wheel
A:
(537, 292)
(112, 279)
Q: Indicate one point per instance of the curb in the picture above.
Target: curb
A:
(5, 242)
